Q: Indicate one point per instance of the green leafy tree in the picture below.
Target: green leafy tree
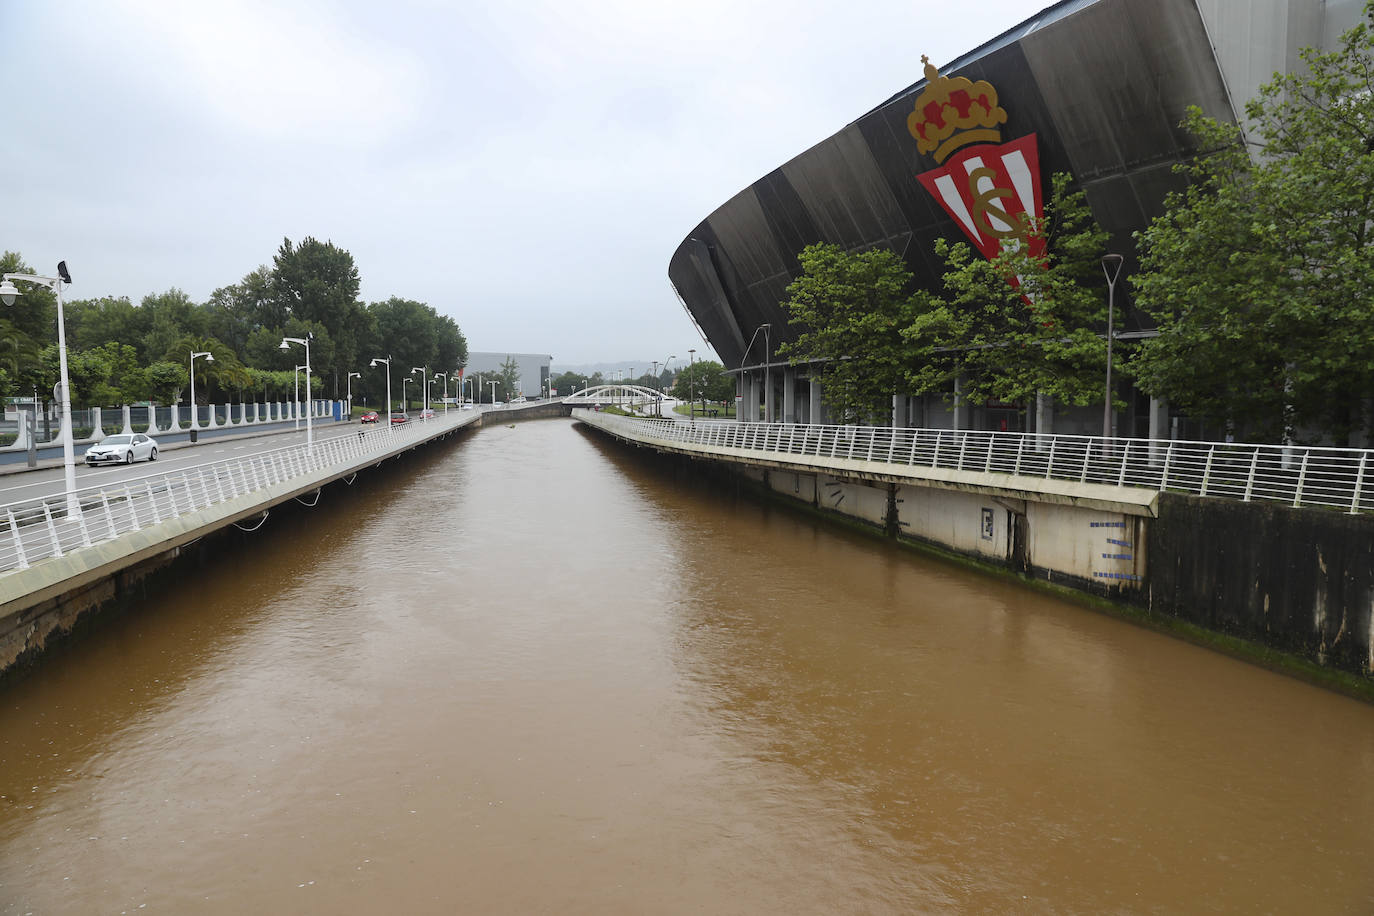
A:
(1258, 273)
(508, 379)
(849, 309)
(94, 322)
(235, 311)
(317, 284)
(216, 379)
(32, 326)
(170, 316)
(705, 379)
(405, 331)
(450, 346)
(165, 381)
(1018, 324)
(566, 383)
(106, 376)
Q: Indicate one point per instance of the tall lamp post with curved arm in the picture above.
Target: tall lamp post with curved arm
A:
(424, 382)
(373, 365)
(444, 376)
(692, 383)
(349, 394)
(209, 358)
(304, 342)
(296, 394)
(8, 292)
(1111, 266)
(657, 383)
(767, 378)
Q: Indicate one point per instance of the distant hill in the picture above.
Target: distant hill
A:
(637, 367)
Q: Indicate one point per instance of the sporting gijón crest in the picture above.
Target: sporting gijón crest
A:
(991, 189)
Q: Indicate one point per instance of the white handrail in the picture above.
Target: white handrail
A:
(38, 528)
(1337, 478)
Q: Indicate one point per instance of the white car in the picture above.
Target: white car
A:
(124, 448)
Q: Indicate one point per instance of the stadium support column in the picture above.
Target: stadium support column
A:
(1159, 427)
(814, 399)
(789, 395)
(1044, 413)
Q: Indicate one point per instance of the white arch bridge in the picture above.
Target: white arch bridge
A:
(623, 395)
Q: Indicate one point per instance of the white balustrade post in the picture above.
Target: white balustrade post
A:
(1359, 485)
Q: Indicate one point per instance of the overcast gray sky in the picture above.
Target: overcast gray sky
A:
(526, 166)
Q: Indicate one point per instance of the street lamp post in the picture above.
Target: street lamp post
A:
(1111, 266)
(296, 379)
(209, 358)
(424, 395)
(767, 378)
(349, 395)
(304, 342)
(492, 383)
(405, 403)
(8, 292)
(373, 365)
(692, 384)
(670, 358)
(444, 376)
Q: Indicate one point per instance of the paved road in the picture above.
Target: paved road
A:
(21, 483)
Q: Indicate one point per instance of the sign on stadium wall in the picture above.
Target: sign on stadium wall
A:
(990, 188)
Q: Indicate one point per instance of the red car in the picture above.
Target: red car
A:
(369, 417)
(399, 418)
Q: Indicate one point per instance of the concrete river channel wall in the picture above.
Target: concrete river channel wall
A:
(62, 566)
(1289, 587)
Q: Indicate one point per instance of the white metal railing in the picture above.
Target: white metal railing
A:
(35, 529)
(1336, 478)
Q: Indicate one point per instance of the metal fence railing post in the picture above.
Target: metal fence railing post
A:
(1359, 485)
(1207, 471)
(18, 541)
(1302, 478)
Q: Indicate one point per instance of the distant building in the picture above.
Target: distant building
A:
(534, 369)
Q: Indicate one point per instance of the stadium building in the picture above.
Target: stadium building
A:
(1095, 88)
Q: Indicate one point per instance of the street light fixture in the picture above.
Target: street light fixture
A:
(1111, 266)
(373, 365)
(658, 382)
(424, 395)
(444, 376)
(692, 384)
(304, 342)
(349, 395)
(405, 403)
(8, 292)
(493, 384)
(767, 377)
(209, 358)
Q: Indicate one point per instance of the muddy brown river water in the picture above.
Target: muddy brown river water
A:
(528, 672)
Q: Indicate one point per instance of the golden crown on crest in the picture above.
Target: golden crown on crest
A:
(952, 112)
